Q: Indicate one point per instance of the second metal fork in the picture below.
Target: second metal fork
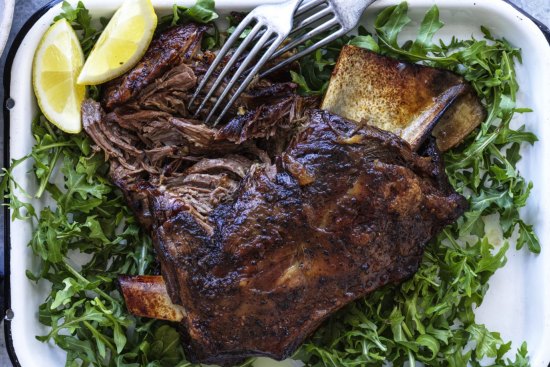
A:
(340, 16)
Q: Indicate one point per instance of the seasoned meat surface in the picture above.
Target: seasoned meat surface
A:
(344, 212)
(266, 225)
(172, 47)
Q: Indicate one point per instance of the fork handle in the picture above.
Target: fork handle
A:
(350, 12)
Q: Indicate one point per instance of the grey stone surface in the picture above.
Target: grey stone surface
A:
(540, 9)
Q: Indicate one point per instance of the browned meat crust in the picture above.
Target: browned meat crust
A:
(268, 120)
(290, 250)
(267, 226)
(344, 211)
(170, 48)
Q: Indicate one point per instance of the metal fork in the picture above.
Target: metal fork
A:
(273, 24)
(321, 15)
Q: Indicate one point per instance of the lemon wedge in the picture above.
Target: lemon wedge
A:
(56, 65)
(122, 44)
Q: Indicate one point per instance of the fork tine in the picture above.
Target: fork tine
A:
(314, 32)
(221, 54)
(304, 23)
(307, 51)
(309, 20)
(251, 75)
(307, 6)
(239, 72)
(228, 66)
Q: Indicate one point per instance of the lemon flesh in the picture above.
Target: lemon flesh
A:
(56, 65)
(122, 44)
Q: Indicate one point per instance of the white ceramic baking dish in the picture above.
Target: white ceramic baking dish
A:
(518, 302)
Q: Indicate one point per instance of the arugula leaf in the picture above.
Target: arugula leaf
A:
(81, 21)
(301, 81)
(202, 12)
(316, 68)
(13, 191)
(527, 237)
(166, 347)
(486, 342)
(428, 28)
(391, 22)
(62, 297)
(365, 42)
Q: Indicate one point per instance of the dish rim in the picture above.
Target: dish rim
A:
(17, 42)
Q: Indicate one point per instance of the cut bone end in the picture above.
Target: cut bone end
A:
(406, 99)
(459, 121)
(146, 296)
